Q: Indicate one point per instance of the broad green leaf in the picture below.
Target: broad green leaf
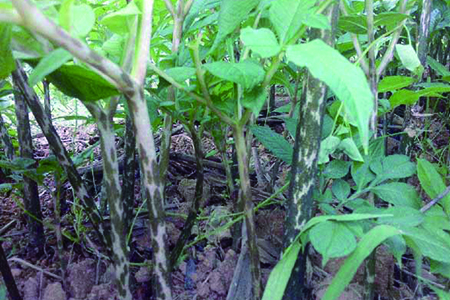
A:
(349, 147)
(367, 244)
(114, 47)
(49, 64)
(327, 147)
(389, 19)
(397, 246)
(287, 16)
(316, 20)
(432, 182)
(399, 194)
(291, 126)
(83, 19)
(247, 73)
(332, 239)
(341, 189)
(354, 24)
(231, 14)
(122, 20)
(274, 142)
(7, 64)
(65, 16)
(25, 45)
(430, 244)
(402, 216)
(442, 294)
(409, 58)
(82, 83)
(392, 167)
(440, 268)
(347, 81)
(438, 67)
(261, 41)
(392, 83)
(280, 275)
(405, 97)
(255, 100)
(336, 169)
(181, 74)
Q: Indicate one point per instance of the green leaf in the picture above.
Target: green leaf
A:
(429, 243)
(392, 83)
(354, 24)
(255, 100)
(121, 21)
(332, 239)
(246, 73)
(393, 167)
(438, 67)
(399, 194)
(402, 216)
(409, 58)
(327, 147)
(83, 19)
(361, 174)
(336, 169)
(440, 268)
(49, 64)
(287, 16)
(82, 83)
(405, 97)
(367, 244)
(347, 81)
(389, 19)
(274, 142)
(280, 275)
(432, 182)
(341, 189)
(261, 41)
(231, 14)
(181, 74)
(443, 295)
(349, 147)
(7, 64)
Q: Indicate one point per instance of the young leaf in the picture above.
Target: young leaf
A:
(399, 194)
(231, 14)
(247, 73)
(393, 167)
(349, 147)
(409, 58)
(366, 245)
(347, 81)
(432, 182)
(274, 142)
(401, 97)
(48, 64)
(332, 239)
(261, 41)
(120, 21)
(7, 64)
(280, 275)
(255, 100)
(287, 16)
(336, 169)
(392, 83)
(181, 74)
(327, 147)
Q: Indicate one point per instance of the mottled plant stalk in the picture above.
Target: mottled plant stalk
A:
(30, 189)
(6, 140)
(247, 203)
(128, 174)
(47, 104)
(132, 88)
(8, 278)
(113, 194)
(198, 196)
(61, 153)
(300, 203)
(57, 224)
(424, 32)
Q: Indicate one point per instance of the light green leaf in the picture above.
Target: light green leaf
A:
(347, 81)
(280, 275)
(274, 142)
(438, 67)
(432, 182)
(48, 64)
(247, 73)
(361, 173)
(392, 83)
(83, 19)
(181, 74)
(336, 169)
(354, 24)
(402, 216)
(316, 20)
(341, 189)
(443, 295)
(406, 97)
(231, 14)
(332, 239)
(261, 41)
(349, 147)
(122, 20)
(393, 167)
(327, 147)
(430, 244)
(7, 64)
(409, 58)
(399, 194)
(114, 47)
(255, 100)
(389, 19)
(367, 244)
(287, 16)
(82, 83)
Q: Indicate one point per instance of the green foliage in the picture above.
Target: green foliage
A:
(121, 21)
(7, 64)
(409, 59)
(261, 41)
(393, 83)
(48, 64)
(432, 182)
(274, 142)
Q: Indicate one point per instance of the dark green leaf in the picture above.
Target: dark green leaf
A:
(438, 67)
(255, 100)
(399, 194)
(274, 142)
(432, 182)
(336, 169)
(341, 189)
(392, 83)
(49, 64)
(430, 244)
(247, 73)
(7, 64)
(393, 167)
(354, 24)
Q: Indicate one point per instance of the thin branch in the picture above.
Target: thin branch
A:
(435, 200)
(9, 15)
(187, 7)
(170, 7)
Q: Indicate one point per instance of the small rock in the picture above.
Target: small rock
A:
(16, 272)
(143, 275)
(82, 278)
(104, 291)
(109, 275)
(217, 284)
(31, 289)
(54, 291)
